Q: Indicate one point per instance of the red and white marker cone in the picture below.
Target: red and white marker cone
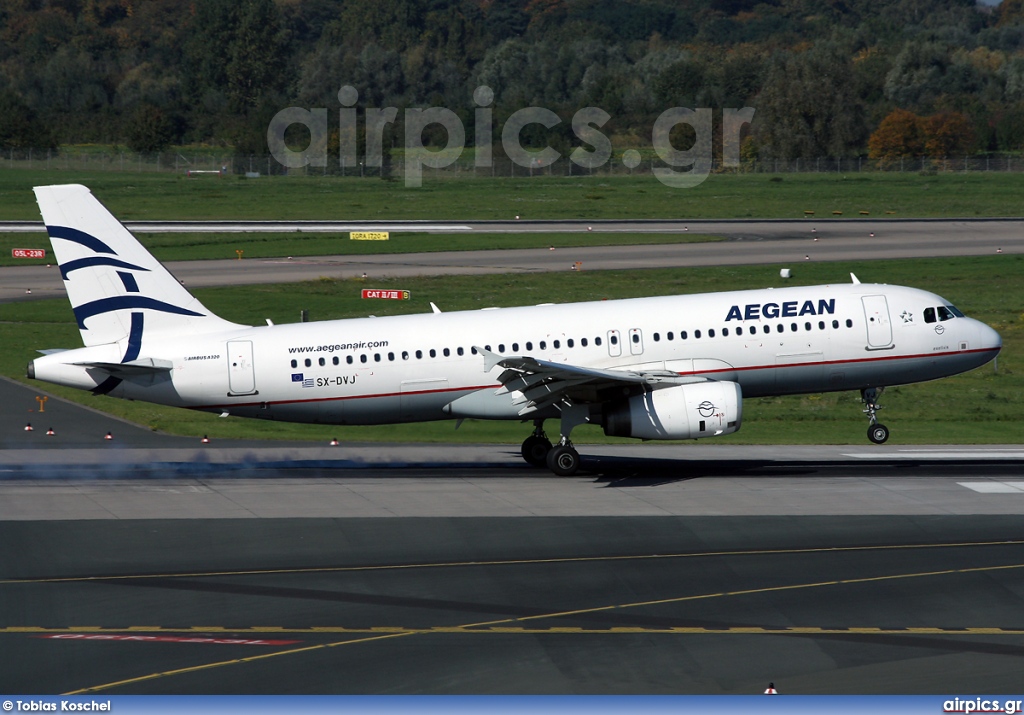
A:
(28, 427)
(110, 436)
(50, 432)
(334, 442)
(205, 439)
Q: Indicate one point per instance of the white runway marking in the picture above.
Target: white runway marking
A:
(995, 487)
(943, 454)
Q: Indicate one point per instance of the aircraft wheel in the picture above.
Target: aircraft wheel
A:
(878, 433)
(563, 461)
(535, 450)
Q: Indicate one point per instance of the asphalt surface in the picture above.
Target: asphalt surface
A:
(750, 243)
(148, 565)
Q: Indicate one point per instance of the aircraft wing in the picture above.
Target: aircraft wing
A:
(543, 383)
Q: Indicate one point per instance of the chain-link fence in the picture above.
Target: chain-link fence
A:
(226, 163)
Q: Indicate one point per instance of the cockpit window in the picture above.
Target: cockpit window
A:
(945, 313)
(954, 311)
(929, 315)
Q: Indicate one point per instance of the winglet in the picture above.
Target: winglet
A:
(855, 279)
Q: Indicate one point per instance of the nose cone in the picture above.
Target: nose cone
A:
(987, 342)
(989, 338)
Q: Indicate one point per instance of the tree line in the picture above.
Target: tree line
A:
(832, 78)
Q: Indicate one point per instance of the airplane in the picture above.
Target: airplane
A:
(657, 368)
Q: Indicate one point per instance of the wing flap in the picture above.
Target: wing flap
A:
(542, 384)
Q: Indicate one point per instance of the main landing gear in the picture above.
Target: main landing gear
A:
(536, 446)
(877, 432)
(562, 458)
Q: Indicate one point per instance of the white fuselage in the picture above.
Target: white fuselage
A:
(409, 368)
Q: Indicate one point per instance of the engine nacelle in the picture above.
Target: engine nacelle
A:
(703, 409)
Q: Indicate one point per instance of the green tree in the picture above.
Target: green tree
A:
(20, 127)
(149, 130)
(806, 109)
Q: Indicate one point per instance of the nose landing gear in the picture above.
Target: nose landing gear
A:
(877, 432)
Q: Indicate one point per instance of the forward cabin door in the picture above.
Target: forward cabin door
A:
(876, 316)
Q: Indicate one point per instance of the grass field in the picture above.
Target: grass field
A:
(167, 196)
(984, 406)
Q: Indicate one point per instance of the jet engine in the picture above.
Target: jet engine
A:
(703, 409)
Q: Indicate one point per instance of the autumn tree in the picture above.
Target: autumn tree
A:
(901, 134)
(948, 134)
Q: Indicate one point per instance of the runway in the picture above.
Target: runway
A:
(152, 565)
(750, 243)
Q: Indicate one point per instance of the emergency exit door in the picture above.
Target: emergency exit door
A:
(876, 316)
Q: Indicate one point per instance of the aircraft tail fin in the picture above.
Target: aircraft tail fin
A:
(117, 289)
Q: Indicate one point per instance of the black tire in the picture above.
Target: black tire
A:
(563, 461)
(535, 450)
(878, 434)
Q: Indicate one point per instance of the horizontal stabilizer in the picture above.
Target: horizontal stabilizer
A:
(142, 366)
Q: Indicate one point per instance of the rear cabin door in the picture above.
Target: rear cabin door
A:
(241, 374)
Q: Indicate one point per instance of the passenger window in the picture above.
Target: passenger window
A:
(597, 341)
(309, 363)
(793, 327)
(405, 354)
(636, 338)
(725, 333)
(515, 347)
(543, 345)
(487, 347)
(849, 323)
(433, 353)
(556, 344)
(583, 342)
(446, 352)
(767, 329)
(668, 335)
(821, 325)
(739, 331)
(419, 354)
(835, 323)
(322, 362)
(376, 357)
(335, 360)
(529, 345)
(780, 328)
(501, 347)
(614, 339)
(696, 334)
(362, 358)
(807, 326)
(944, 313)
(391, 357)
(295, 363)
(711, 333)
(569, 342)
(682, 335)
(460, 351)
(348, 359)
(929, 315)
